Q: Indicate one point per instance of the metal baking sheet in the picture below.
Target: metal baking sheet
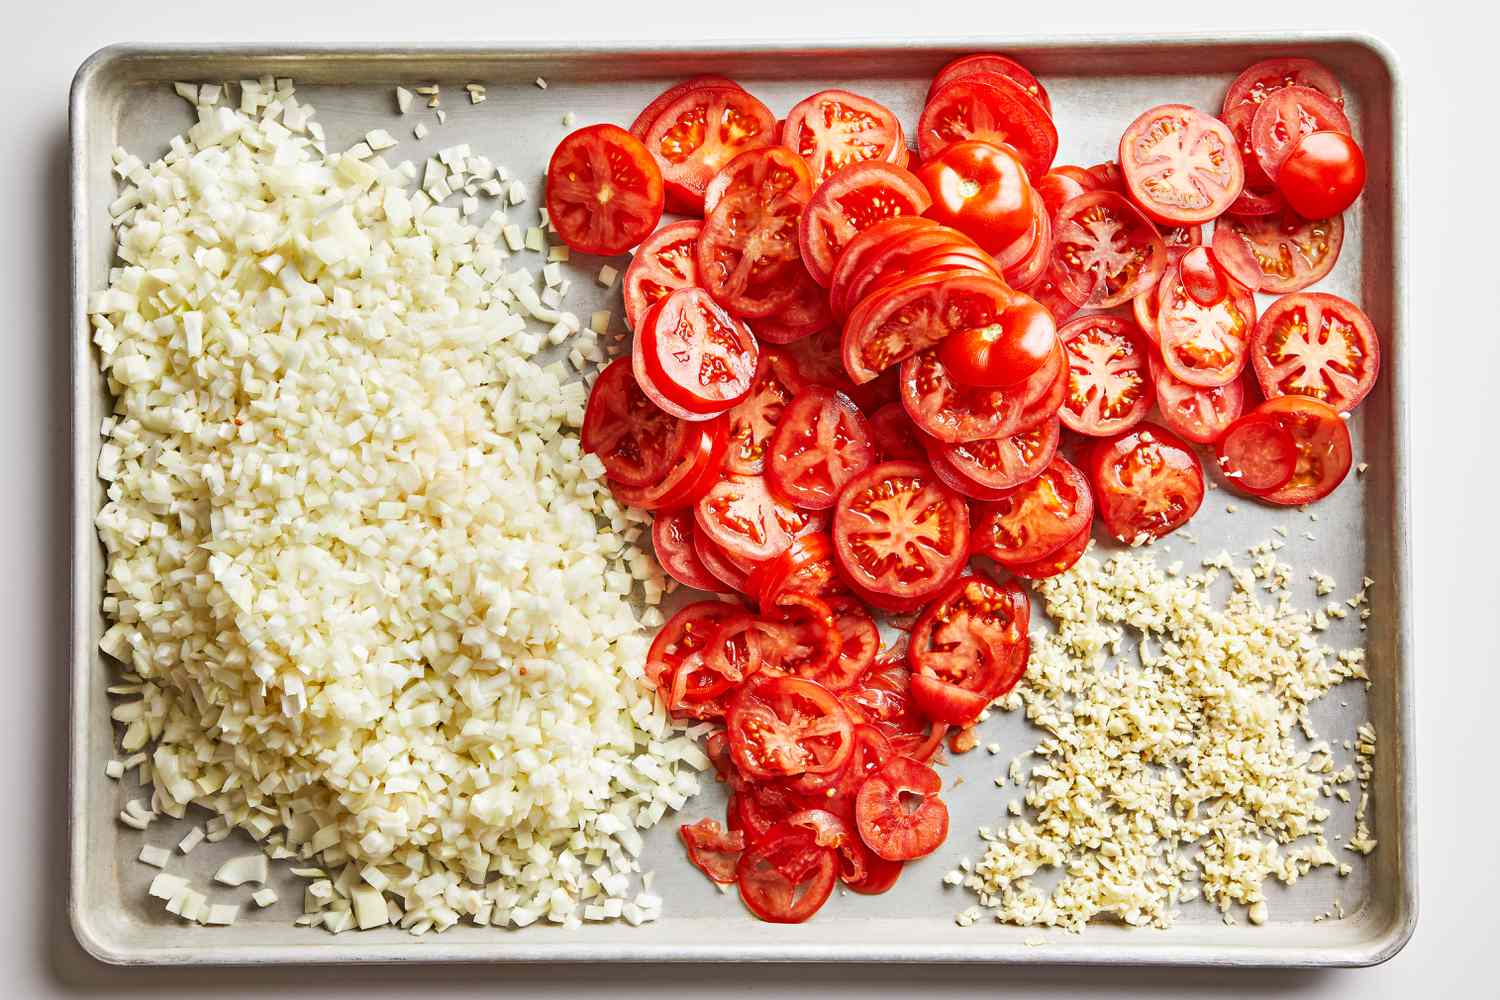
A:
(123, 96)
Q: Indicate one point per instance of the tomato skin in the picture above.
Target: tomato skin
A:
(1004, 353)
(991, 108)
(981, 63)
(1287, 115)
(672, 538)
(779, 727)
(1278, 252)
(606, 214)
(1259, 195)
(852, 200)
(885, 823)
(1062, 184)
(862, 129)
(862, 247)
(908, 316)
(1037, 518)
(1109, 383)
(700, 131)
(664, 262)
(700, 360)
(891, 506)
(1147, 482)
(1325, 450)
(1336, 336)
(1323, 174)
(1064, 559)
(981, 190)
(1180, 165)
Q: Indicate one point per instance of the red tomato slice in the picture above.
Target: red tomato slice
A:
(1257, 454)
(1318, 345)
(1036, 518)
(1198, 414)
(694, 471)
(806, 567)
(1324, 448)
(1266, 77)
(1062, 184)
(819, 361)
(1203, 345)
(672, 537)
(901, 256)
(660, 102)
(798, 636)
(823, 441)
(1064, 559)
(698, 358)
(804, 315)
(636, 442)
(997, 464)
(1007, 352)
(950, 411)
(911, 315)
(1147, 483)
(1107, 177)
(860, 250)
(894, 435)
(700, 654)
(699, 132)
(604, 192)
(1105, 252)
(742, 515)
(990, 108)
(1109, 385)
(956, 481)
(785, 726)
(785, 877)
(889, 823)
(1288, 115)
(860, 646)
(1280, 252)
(1029, 268)
(712, 849)
(753, 421)
(898, 531)
(851, 201)
(730, 574)
(882, 698)
(982, 63)
(747, 255)
(662, 264)
(834, 128)
(968, 648)
(1047, 290)
(1259, 196)
(1181, 165)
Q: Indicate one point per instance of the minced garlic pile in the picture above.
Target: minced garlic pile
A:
(1174, 773)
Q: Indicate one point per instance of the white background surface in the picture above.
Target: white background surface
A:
(1449, 65)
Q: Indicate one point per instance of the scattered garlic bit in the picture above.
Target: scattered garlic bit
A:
(420, 131)
(1207, 789)
(264, 897)
(191, 839)
(476, 93)
(114, 769)
(607, 276)
(568, 119)
(442, 116)
(355, 550)
(541, 83)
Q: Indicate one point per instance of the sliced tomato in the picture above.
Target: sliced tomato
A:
(699, 132)
(819, 361)
(1108, 177)
(1062, 184)
(1007, 352)
(968, 648)
(1029, 268)
(604, 192)
(747, 255)
(950, 411)
(1180, 164)
(1288, 115)
(990, 108)
(1318, 345)
(1257, 454)
(1203, 345)
(894, 435)
(743, 516)
(823, 441)
(798, 636)
(981, 190)
(732, 576)
(663, 263)
(853, 200)
(1323, 174)
(948, 474)
(785, 877)
(695, 470)
(898, 531)
(785, 726)
(860, 643)
(834, 128)
(1259, 195)
(672, 538)
(804, 315)
(1147, 483)
(699, 359)
(1064, 559)
(635, 441)
(902, 256)
(1325, 450)
(914, 314)
(1201, 415)
(643, 121)
(997, 464)
(984, 62)
(1266, 77)
(753, 421)
(1047, 290)
(882, 698)
(898, 812)
(1279, 252)
(713, 850)
(862, 247)
(1037, 518)
(1109, 384)
(806, 567)
(700, 654)
(1143, 308)
(1104, 251)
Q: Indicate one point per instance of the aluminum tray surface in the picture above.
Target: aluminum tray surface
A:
(123, 96)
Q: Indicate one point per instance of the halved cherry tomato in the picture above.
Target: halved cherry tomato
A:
(850, 201)
(898, 531)
(854, 257)
(698, 359)
(753, 421)
(636, 442)
(713, 850)
(652, 111)
(1324, 448)
(981, 190)
(1037, 518)
(663, 263)
(1259, 196)
(914, 314)
(1257, 454)
(1180, 164)
(882, 698)
(997, 464)
(1285, 117)
(1105, 251)
(822, 442)
(695, 470)
(1064, 559)
(1278, 252)
(798, 636)
(672, 538)
(604, 192)
(1147, 483)
(981, 63)
(834, 128)
(747, 255)
(1006, 352)
(969, 648)
(785, 877)
(990, 108)
(1203, 345)
(889, 824)
(1318, 345)
(804, 315)
(1264, 78)
(1198, 414)
(894, 435)
(1323, 174)
(785, 726)
(1109, 386)
(741, 514)
(700, 131)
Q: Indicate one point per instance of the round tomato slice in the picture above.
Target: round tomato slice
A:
(834, 128)
(882, 697)
(861, 643)
(1005, 353)
(1279, 252)
(635, 441)
(699, 655)
(1047, 290)
(604, 192)
(1147, 483)
(806, 313)
(730, 574)
(1203, 345)
(1181, 165)
(898, 812)
(1318, 345)
(753, 421)
(969, 648)
(1198, 414)
(712, 849)
(747, 255)
(652, 111)
(698, 358)
(862, 248)
(950, 411)
(894, 435)
(819, 362)
(984, 62)
(1064, 559)
(1288, 115)
(784, 726)
(1061, 185)
(1104, 251)
(851, 201)
(823, 441)
(1109, 384)
(911, 315)
(898, 531)
(798, 636)
(785, 877)
(961, 484)
(743, 516)
(806, 567)
(695, 470)
(990, 108)
(672, 538)
(902, 256)
(1036, 518)
(997, 464)
(699, 132)
(1266, 77)
(1028, 269)
(663, 263)
(1257, 454)
(1325, 450)
(1259, 196)
(1107, 177)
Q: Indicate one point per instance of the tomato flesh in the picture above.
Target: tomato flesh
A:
(1286, 116)
(889, 826)
(1147, 483)
(851, 201)
(1037, 518)
(747, 256)
(715, 851)
(664, 262)
(1181, 165)
(742, 515)
(784, 726)
(968, 648)
(916, 313)
(898, 531)
(699, 132)
(990, 108)
(634, 439)
(1199, 414)
(1261, 80)
(823, 442)
(672, 538)
(1257, 454)
(983, 63)
(1318, 345)
(1109, 385)
(1203, 345)
(785, 877)
(1279, 252)
(604, 192)
(699, 359)
(1324, 448)
(834, 128)
(1105, 251)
